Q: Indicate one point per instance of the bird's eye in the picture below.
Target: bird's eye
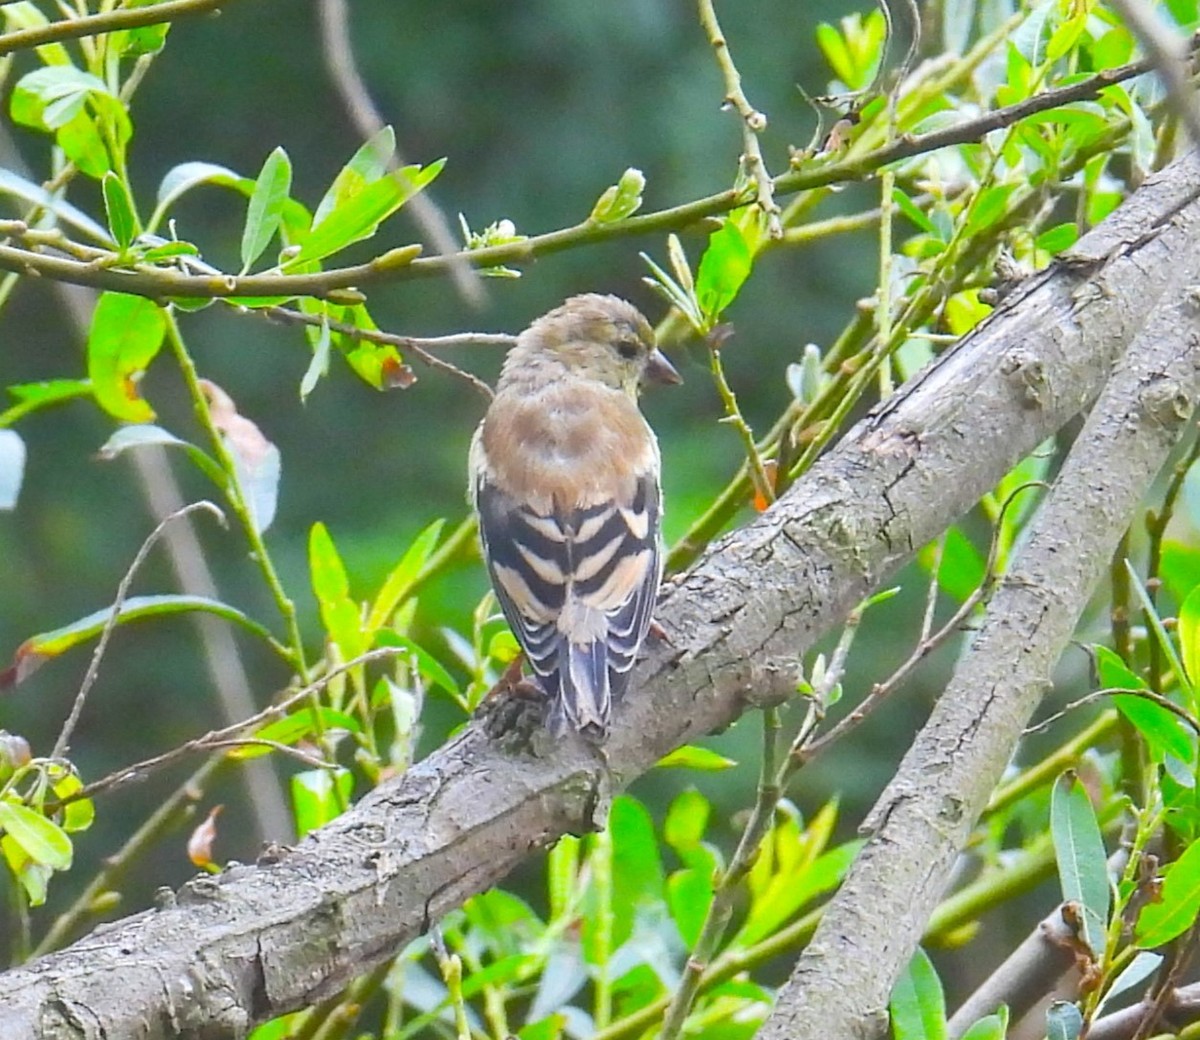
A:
(628, 350)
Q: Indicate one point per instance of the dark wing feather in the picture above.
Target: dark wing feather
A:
(626, 593)
(527, 556)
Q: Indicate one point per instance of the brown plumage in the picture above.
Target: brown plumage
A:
(565, 478)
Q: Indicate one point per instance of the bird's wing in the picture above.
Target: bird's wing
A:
(616, 563)
(528, 559)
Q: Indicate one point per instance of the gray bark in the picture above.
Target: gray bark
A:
(261, 940)
(841, 984)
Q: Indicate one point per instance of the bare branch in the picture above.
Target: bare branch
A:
(108, 21)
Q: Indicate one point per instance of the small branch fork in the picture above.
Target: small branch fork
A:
(162, 283)
(754, 122)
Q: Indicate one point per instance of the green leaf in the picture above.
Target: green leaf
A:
(36, 650)
(918, 1006)
(141, 434)
(914, 213)
(1058, 238)
(79, 814)
(1179, 905)
(367, 165)
(181, 179)
(399, 582)
(1063, 1021)
(36, 195)
(1180, 568)
(1189, 636)
(319, 365)
(723, 268)
(687, 820)
(32, 396)
(339, 613)
(12, 467)
(300, 725)
(991, 1027)
(1079, 849)
(358, 216)
(1163, 731)
(34, 877)
(963, 566)
(320, 795)
(42, 840)
(122, 220)
(689, 895)
(836, 53)
(620, 200)
(1160, 633)
(264, 210)
(126, 334)
(691, 756)
(428, 666)
(637, 867)
(562, 869)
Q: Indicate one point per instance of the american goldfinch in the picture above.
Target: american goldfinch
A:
(565, 479)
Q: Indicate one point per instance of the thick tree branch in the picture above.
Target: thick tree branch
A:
(922, 821)
(258, 941)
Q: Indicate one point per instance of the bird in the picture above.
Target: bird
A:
(564, 480)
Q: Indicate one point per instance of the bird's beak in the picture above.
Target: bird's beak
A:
(660, 370)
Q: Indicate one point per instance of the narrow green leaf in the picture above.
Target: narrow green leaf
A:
(687, 820)
(637, 865)
(918, 1006)
(689, 895)
(1179, 906)
(1160, 633)
(300, 725)
(691, 756)
(914, 213)
(319, 365)
(339, 613)
(358, 216)
(118, 204)
(1162, 730)
(399, 582)
(141, 434)
(181, 179)
(1189, 636)
(368, 164)
(723, 268)
(126, 334)
(428, 666)
(991, 1027)
(562, 869)
(1079, 849)
(35, 194)
(264, 211)
(43, 840)
(36, 650)
(320, 795)
(12, 467)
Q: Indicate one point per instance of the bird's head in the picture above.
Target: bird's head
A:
(601, 338)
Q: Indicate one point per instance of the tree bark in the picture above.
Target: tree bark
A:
(921, 822)
(261, 940)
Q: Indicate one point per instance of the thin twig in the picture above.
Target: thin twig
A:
(334, 22)
(1109, 691)
(1169, 52)
(220, 737)
(416, 346)
(93, 670)
(108, 21)
(753, 121)
(162, 283)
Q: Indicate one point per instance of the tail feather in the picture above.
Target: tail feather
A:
(584, 701)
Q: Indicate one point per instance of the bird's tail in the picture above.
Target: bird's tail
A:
(584, 700)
